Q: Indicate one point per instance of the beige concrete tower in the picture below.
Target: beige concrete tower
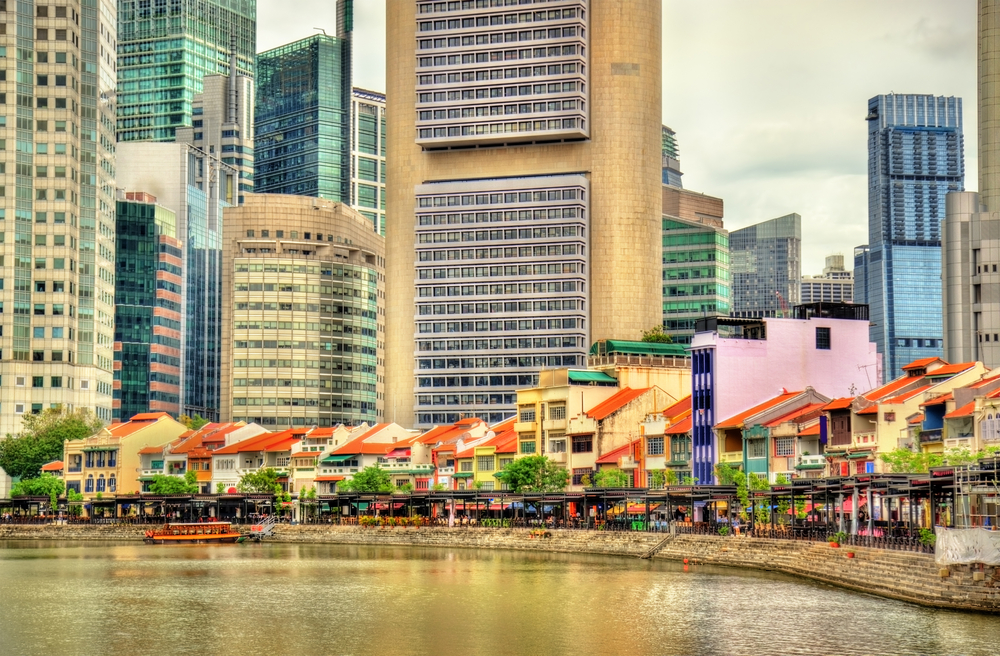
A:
(523, 194)
(989, 103)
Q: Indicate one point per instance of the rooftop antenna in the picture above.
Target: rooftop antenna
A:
(321, 30)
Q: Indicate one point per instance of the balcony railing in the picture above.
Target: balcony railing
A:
(930, 435)
(864, 439)
(812, 460)
(446, 471)
(731, 456)
(557, 456)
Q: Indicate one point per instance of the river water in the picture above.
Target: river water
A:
(95, 598)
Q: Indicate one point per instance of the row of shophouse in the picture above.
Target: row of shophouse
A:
(788, 396)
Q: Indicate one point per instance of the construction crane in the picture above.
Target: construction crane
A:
(782, 303)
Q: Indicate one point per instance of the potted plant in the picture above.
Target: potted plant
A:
(836, 539)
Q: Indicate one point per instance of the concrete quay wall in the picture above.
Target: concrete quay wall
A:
(902, 575)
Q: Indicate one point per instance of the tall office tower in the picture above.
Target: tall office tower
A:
(970, 249)
(670, 154)
(193, 183)
(835, 285)
(765, 266)
(303, 120)
(695, 261)
(915, 157)
(368, 156)
(522, 195)
(148, 317)
(860, 273)
(303, 292)
(59, 203)
(164, 51)
(223, 126)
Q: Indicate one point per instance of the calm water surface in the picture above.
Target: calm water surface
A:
(111, 599)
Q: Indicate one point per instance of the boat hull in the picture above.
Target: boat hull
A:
(225, 538)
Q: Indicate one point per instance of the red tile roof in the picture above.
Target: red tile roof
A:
(149, 416)
(615, 402)
(810, 430)
(964, 411)
(611, 457)
(55, 465)
(890, 387)
(839, 404)
(150, 450)
(359, 445)
(938, 400)
(916, 419)
(870, 410)
(678, 408)
(737, 420)
(906, 396)
(952, 369)
(258, 443)
(681, 427)
(922, 363)
(802, 414)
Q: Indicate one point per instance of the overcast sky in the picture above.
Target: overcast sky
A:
(768, 97)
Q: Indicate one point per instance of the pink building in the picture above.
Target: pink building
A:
(739, 363)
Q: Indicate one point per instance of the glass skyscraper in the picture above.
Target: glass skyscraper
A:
(695, 274)
(147, 308)
(368, 156)
(915, 157)
(165, 48)
(766, 267)
(303, 118)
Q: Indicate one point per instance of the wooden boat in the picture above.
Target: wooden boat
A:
(192, 533)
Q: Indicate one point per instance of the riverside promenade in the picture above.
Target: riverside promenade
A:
(904, 575)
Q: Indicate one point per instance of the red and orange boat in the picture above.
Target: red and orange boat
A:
(193, 533)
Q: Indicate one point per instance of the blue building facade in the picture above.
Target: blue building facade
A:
(303, 116)
(915, 157)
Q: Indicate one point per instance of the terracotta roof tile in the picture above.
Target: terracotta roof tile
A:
(737, 420)
(149, 416)
(952, 369)
(681, 427)
(678, 408)
(611, 457)
(870, 410)
(839, 404)
(906, 396)
(938, 400)
(809, 431)
(922, 363)
(964, 411)
(916, 419)
(615, 402)
(799, 415)
(892, 386)
(55, 465)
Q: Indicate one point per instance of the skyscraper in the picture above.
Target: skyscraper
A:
(915, 157)
(368, 156)
(522, 195)
(766, 267)
(835, 285)
(303, 120)
(970, 249)
(164, 51)
(303, 298)
(148, 316)
(58, 161)
(671, 154)
(193, 184)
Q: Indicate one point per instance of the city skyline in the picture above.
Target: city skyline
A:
(730, 103)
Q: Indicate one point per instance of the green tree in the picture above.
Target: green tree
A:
(76, 508)
(658, 478)
(656, 335)
(42, 438)
(904, 461)
(534, 474)
(438, 487)
(163, 484)
(193, 423)
(220, 488)
(369, 479)
(262, 481)
(42, 486)
(612, 478)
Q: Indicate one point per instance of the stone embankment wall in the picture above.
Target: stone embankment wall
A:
(900, 575)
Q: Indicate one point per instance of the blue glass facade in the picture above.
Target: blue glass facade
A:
(915, 157)
(164, 51)
(303, 119)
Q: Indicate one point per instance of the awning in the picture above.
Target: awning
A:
(398, 453)
(330, 460)
(804, 467)
(591, 377)
(328, 479)
(863, 454)
(462, 475)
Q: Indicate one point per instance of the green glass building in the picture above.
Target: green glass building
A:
(303, 119)
(165, 48)
(695, 274)
(148, 309)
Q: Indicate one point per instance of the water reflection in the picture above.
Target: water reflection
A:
(329, 599)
